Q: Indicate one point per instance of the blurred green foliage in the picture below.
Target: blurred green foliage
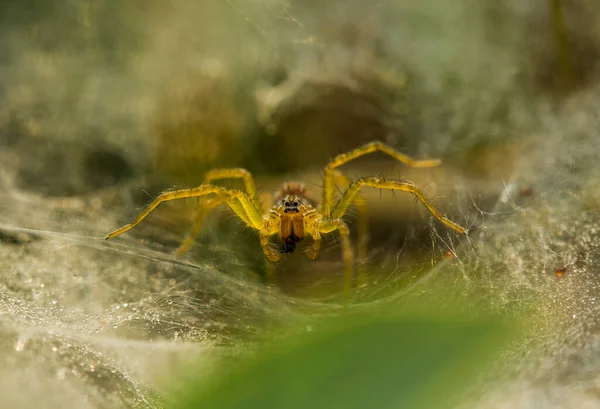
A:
(408, 361)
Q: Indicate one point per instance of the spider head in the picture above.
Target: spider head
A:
(291, 204)
(291, 207)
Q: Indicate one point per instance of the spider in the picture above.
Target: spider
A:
(291, 213)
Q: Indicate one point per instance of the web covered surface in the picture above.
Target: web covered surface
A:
(86, 323)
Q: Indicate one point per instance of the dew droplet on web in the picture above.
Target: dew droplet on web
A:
(20, 345)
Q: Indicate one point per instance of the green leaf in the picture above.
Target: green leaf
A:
(410, 362)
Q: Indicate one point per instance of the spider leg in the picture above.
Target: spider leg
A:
(311, 226)
(313, 251)
(329, 177)
(240, 202)
(203, 210)
(205, 205)
(342, 205)
(270, 253)
(237, 200)
(235, 173)
(330, 225)
(236, 205)
(363, 214)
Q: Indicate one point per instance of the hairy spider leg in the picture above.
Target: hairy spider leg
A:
(235, 173)
(270, 268)
(363, 216)
(206, 205)
(311, 226)
(203, 209)
(270, 252)
(329, 176)
(330, 225)
(239, 201)
(342, 205)
(245, 210)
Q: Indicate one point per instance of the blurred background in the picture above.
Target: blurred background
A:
(104, 104)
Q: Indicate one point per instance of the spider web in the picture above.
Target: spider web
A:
(107, 324)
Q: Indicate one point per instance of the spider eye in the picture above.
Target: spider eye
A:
(296, 203)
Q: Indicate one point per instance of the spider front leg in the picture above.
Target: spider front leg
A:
(270, 253)
(205, 206)
(235, 173)
(313, 251)
(203, 209)
(342, 206)
(329, 171)
(237, 200)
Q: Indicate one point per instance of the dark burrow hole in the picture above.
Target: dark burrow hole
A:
(103, 168)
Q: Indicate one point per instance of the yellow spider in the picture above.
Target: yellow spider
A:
(291, 213)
